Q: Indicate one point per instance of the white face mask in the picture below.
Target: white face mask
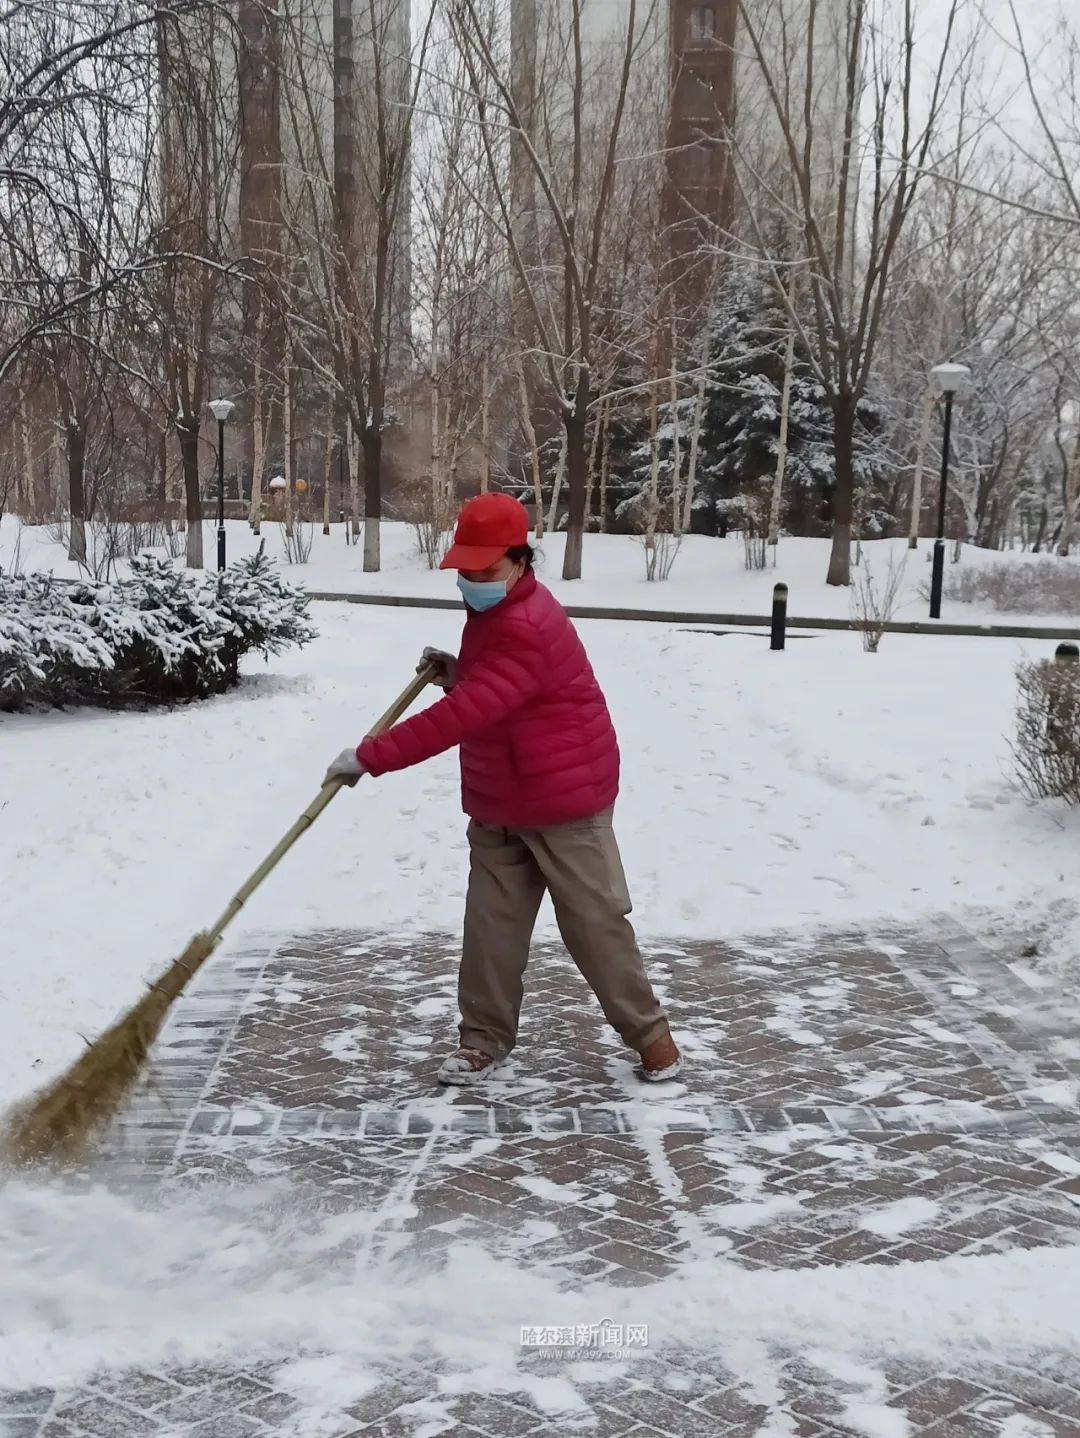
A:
(482, 594)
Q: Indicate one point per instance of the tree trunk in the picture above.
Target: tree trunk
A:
(676, 445)
(354, 481)
(76, 466)
(984, 507)
(594, 450)
(163, 475)
(287, 446)
(452, 469)
(577, 464)
(692, 462)
(259, 79)
(556, 486)
(781, 450)
(189, 455)
(455, 424)
(372, 446)
(844, 491)
(1040, 533)
(328, 459)
(920, 460)
(654, 488)
(258, 432)
(1072, 484)
(437, 504)
(604, 456)
(25, 489)
(530, 440)
(485, 429)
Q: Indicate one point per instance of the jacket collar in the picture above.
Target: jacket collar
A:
(521, 590)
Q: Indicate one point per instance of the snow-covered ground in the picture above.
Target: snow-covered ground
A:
(760, 791)
(709, 575)
(263, 1274)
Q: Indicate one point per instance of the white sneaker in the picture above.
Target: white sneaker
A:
(467, 1066)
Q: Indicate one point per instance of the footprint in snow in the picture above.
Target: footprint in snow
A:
(837, 884)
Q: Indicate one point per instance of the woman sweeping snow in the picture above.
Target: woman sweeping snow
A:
(539, 777)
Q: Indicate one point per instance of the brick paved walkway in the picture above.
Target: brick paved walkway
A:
(867, 1099)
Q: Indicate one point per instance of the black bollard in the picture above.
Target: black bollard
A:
(1067, 653)
(779, 616)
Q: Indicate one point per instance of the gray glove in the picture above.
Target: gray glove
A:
(446, 677)
(346, 766)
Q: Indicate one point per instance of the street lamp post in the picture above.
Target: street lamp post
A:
(221, 409)
(951, 381)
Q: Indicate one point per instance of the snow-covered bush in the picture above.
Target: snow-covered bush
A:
(162, 635)
(429, 508)
(1048, 585)
(45, 642)
(1047, 744)
(296, 544)
(661, 551)
(750, 513)
(874, 600)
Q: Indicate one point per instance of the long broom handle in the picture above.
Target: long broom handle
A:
(314, 809)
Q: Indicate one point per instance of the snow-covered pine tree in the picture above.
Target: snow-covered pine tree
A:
(740, 431)
(160, 635)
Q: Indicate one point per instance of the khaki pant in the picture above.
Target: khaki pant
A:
(579, 865)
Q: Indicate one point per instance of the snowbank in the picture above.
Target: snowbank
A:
(96, 1281)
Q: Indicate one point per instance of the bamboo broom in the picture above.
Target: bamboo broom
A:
(60, 1123)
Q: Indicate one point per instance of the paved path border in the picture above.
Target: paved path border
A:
(692, 616)
(259, 1122)
(689, 616)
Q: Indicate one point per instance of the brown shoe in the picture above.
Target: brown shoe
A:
(466, 1066)
(660, 1060)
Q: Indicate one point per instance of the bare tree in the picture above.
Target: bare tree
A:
(347, 215)
(459, 311)
(78, 242)
(259, 80)
(571, 146)
(82, 64)
(982, 289)
(843, 97)
(199, 152)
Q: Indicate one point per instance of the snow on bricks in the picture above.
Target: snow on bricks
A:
(161, 635)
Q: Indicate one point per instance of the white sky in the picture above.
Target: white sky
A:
(1002, 91)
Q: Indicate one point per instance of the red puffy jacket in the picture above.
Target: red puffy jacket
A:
(537, 743)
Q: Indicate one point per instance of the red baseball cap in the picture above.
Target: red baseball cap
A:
(487, 527)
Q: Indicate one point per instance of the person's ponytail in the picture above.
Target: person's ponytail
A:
(522, 554)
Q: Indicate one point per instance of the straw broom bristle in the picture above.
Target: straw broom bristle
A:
(59, 1124)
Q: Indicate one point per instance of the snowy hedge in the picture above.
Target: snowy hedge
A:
(1047, 745)
(161, 635)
